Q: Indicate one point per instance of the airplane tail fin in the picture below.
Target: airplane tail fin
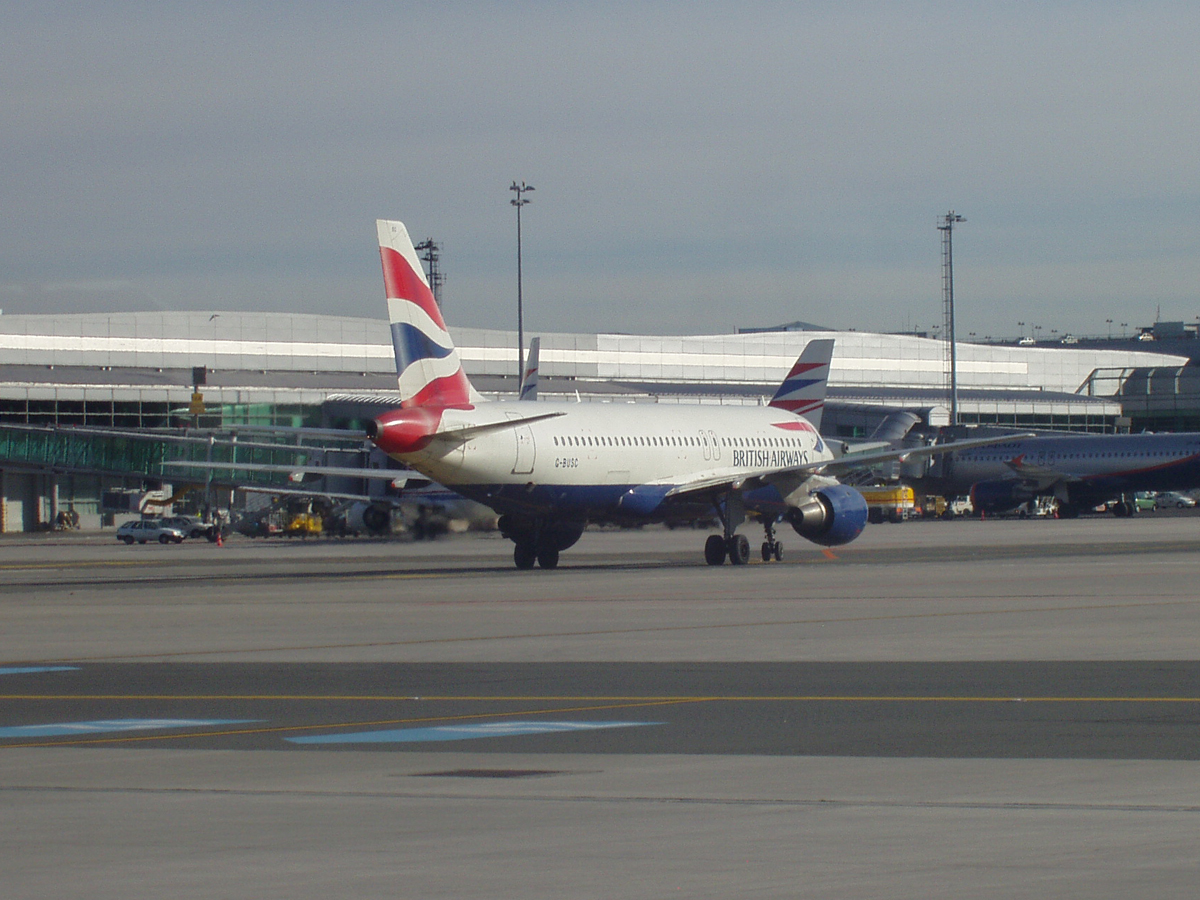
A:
(803, 390)
(529, 378)
(894, 426)
(427, 365)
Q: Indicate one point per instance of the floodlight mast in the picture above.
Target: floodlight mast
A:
(518, 202)
(431, 254)
(948, 221)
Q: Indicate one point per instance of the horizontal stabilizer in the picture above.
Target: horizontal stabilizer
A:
(465, 434)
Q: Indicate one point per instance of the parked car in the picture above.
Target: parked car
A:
(1144, 500)
(1173, 498)
(190, 527)
(143, 530)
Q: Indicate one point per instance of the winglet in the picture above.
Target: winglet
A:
(803, 390)
(427, 365)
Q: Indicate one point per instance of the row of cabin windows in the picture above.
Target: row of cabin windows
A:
(669, 441)
(1109, 455)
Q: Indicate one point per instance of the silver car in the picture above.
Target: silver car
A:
(190, 527)
(1173, 498)
(143, 530)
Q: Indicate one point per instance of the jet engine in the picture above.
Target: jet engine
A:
(998, 496)
(830, 516)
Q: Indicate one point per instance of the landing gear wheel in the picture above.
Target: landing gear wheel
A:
(547, 557)
(739, 550)
(524, 555)
(714, 550)
(772, 550)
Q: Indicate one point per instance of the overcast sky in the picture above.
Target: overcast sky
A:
(697, 166)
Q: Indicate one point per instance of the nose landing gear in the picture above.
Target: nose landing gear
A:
(771, 548)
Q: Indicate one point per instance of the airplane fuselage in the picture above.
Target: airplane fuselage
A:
(611, 461)
(1087, 469)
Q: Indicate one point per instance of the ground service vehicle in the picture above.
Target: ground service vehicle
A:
(889, 504)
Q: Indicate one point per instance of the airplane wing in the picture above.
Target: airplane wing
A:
(297, 472)
(719, 479)
(858, 460)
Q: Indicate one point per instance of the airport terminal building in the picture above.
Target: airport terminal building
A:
(137, 370)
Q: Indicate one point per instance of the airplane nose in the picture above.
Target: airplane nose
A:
(404, 430)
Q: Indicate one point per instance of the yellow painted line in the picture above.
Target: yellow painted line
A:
(570, 698)
(279, 729)
(112, 564)
(654, 629)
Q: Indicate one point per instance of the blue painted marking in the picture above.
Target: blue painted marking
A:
(460, 732)
(102, 726)
(30, 670)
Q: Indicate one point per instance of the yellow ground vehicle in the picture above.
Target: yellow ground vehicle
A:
(304, 524)
(889, 504)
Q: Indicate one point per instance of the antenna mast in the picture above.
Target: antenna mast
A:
(431, 252)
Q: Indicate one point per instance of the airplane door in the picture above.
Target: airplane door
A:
(526, 451)
(704, 447)
(716, 445)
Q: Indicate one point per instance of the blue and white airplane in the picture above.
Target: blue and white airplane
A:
(1080, 471)
(549, 469)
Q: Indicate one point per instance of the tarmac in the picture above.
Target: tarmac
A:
(941, 709)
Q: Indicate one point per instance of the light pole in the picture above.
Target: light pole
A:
(518, 202)
(1108, 322)
(948, 222)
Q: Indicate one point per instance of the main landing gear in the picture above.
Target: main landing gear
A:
(736, 547)
(538, 542)
(526, 553)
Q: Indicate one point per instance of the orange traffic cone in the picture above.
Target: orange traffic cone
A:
(220, 541)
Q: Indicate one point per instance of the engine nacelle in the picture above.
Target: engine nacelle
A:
(830, 516)
(998, 496)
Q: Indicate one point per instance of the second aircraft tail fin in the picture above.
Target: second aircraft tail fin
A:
(529, 378)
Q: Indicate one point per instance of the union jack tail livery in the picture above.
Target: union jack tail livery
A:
(430, 373)
(803, 390)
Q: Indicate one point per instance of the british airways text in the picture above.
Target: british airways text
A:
(772, 459)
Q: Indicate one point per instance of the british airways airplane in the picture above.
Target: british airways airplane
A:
(549, 469)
